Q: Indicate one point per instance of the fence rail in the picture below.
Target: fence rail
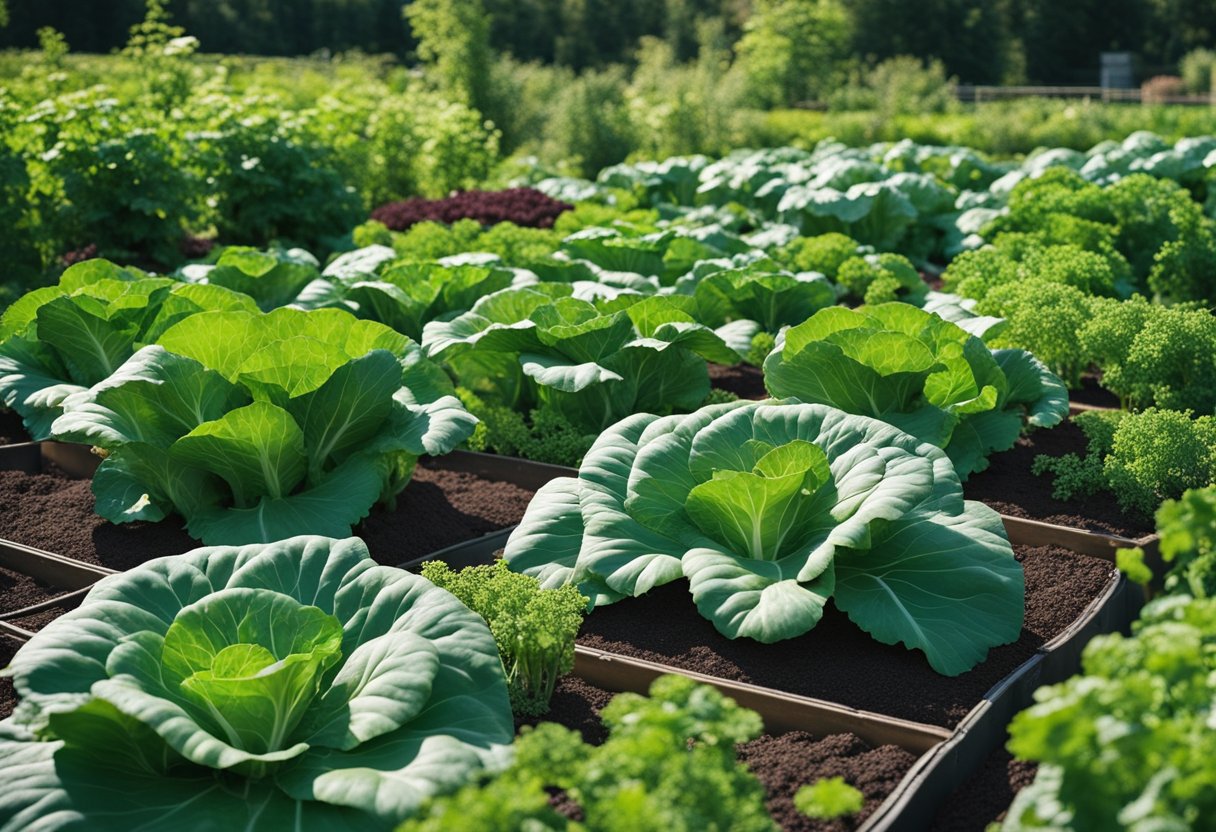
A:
(974, 94)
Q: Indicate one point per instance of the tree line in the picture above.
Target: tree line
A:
(978, 41)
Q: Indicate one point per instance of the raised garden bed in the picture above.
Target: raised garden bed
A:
(782, 761)
(867, 675)
(986, 796)
(1009, 486)
(441, 506)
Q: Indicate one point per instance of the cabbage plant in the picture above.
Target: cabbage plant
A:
(921, 373)
(758, 292)
(258, 426)
(289, 686)
(62, 339)
(771, 510)
(528, 346)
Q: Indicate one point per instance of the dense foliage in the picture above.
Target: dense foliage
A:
(534, 628)
(769, 511)
(668, 763)
(296, 685)
(522, 206)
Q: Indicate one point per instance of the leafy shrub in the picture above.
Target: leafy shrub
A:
(1154, 356)
(254, 427)
(291, 685)
(591, 127)
(534, 628)
(668, 763)
(1127, 744)
(61, 340)
(825, 253)
(1045, 318)
(1142, 458)
(522, 206)
(880, 278)
(920, 373)
(1196, 69)
(541, 435)
(745, 501)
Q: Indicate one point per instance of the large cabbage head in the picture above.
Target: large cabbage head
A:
(921, 373)
(771, 509)
(290, 686)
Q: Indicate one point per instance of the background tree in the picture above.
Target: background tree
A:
(454, 41)
(794, 50)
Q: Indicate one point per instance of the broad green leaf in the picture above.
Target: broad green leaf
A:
(257, 449)
(92, 347)
(947, 585)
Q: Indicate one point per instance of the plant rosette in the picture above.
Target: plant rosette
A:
(770, 510)
(295, 685)
(257, 427)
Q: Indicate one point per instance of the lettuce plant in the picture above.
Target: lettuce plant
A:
(770, 510)
(62, 339)
(272, 278)
(532, 345)
(259, 426)
(921, 373)
(760, 293)
(405, 296)
(295, 685)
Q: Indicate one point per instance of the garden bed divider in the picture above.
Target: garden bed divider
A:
(77, 577)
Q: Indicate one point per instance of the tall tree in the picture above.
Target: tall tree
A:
(454, 40)
(793, 50)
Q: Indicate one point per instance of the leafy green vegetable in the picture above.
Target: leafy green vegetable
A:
(1142, 458)
(828, 799)
(272, 278)
(295, 685)
(759, 293)
(529, 346)
(543, 435)
(255, 427)
(923, 374)
(668, 763)
(62, 339)
(1045, 318)
(1188, 540)
(1154, 355)
(1129, 744)
(879, 278)
(825, 253)
(534, 628)
(769, 510)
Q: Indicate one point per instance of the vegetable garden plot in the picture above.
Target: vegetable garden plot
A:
(441, 506)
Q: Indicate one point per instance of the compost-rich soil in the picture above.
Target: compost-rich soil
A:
(1092, 393)
(438, 508)
(838, 661)
(12, 430)
(577, 705)
(787, 762)
(18, 591)
(8, 695)
(1009, 487)
(783, 763)
(986, 796)
(744, 380)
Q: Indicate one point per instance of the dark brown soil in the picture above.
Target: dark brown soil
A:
(783, 763)
(575, 704)
(36, 621)
(1092, 393)
(786, 763)
(838, 661)
(744, 380)
(12, 430)
(1009, 487)
(18, 591)
(986, 796)
(8, 696)
(438, 508)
